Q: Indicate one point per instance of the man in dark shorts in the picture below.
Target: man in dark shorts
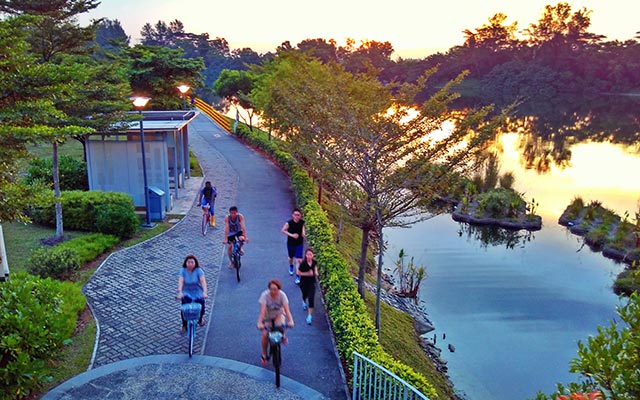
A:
(294, 229)
(234, 229)
(208, 197)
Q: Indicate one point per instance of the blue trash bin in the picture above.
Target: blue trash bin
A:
(157, 198)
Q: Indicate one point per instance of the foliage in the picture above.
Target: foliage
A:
(235, 87)
(39, 316)
(53, 262)
(575, 208)
(73, 172)
(500, 203)
(410, 276)
(609, 360)
(89, 247)
(357, 137)
(27, 88)
(94, 211)
(156, 72)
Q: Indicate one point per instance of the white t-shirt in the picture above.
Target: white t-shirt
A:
(275, 307)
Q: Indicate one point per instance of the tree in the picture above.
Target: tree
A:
(56, 31)
(156, 71)
(235, 86)
(110, 36)
(370, 140)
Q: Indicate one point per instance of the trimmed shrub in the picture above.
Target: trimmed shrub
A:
(38, 316)
(89, 247)
(93, 211)
(53, 262)
(72, 172)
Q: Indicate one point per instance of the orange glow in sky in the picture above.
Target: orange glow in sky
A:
(415, 28)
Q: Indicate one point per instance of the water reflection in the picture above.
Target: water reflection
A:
(495, 236)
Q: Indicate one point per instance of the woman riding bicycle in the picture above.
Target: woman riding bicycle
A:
(192, 286)
(274, 308)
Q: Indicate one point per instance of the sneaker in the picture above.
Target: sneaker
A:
(309, 319)
(297, 279)
(290, 269)
(304, 305)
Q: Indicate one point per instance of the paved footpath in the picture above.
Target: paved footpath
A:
(131, 295)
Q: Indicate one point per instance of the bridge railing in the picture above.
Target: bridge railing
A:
(372, 381)
(220, 119)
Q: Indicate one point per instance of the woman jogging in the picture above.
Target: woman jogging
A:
(308, 271)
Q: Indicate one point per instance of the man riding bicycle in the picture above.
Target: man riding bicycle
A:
(234, 229)
(208, 198)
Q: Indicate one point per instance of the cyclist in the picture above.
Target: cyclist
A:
(294, 229)
(274, 306)
(208, 197)
(234, 228)
(192, 286)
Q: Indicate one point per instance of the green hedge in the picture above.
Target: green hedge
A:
(72, 172)
(63, 260)
(39, 316)
(93, 211)
(353, 329)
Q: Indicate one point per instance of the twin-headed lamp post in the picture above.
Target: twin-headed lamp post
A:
(140, 103)
(183, 91)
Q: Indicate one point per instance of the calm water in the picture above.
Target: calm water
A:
(515, 307)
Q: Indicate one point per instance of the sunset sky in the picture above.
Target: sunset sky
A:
(415, 28)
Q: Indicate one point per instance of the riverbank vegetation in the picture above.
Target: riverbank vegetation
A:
(604, 230)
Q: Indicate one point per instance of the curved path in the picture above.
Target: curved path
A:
(131, 294)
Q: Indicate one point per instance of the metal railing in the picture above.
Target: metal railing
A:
(372, 381)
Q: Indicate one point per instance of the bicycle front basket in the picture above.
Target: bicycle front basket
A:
(275, 336)
(191, 311)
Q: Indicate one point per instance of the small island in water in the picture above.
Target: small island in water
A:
(498, 207)
(603, 230)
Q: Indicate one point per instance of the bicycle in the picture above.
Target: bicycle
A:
(274, 351)
(191, 314)
(236, 254)
(206, 219)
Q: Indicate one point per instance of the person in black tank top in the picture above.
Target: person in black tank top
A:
(294, 229)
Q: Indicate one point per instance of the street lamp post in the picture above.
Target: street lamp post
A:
(183, 91)
(139, 103)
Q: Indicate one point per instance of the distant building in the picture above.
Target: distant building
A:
(114, 160)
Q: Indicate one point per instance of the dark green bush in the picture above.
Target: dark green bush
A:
(53, 262)
(90, 246)
(117, 219)
(72, 172)
(38, 316)
(93, 211)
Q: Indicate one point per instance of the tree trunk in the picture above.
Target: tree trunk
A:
(362, 265)
(56, 192)
(379, 276)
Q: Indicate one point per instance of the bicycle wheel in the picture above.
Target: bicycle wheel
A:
(275, 356)
(192, 336)
(205, 223)
(237, 264)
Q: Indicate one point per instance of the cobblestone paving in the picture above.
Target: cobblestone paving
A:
(132, 293)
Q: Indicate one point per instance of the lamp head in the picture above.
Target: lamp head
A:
(140, 102)
(184, 88)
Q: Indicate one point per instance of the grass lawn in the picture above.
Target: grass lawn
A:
(20, 239)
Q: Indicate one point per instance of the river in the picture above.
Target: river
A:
(515, 305)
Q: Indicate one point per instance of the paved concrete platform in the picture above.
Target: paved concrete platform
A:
(178, 377)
